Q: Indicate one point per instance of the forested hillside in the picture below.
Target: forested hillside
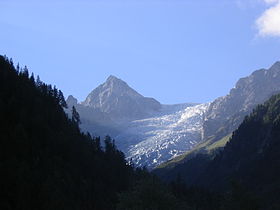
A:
(252, 156)
(250, 160)
(45, 162)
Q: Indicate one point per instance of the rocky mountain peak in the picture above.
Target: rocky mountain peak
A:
(115, 82)
(113, 78)
(118, 99)
(117, 87)
(71, 101)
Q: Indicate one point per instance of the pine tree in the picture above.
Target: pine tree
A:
(55, 93)
(32, 79)
(61, 99)
(38, 82)
(25, 72)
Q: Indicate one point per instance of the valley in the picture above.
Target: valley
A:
(150, 133)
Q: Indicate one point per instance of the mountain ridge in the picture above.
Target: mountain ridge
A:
(138, 122)
(247, 93)
(226, 113)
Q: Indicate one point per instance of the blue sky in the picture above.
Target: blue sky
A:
(173, 50)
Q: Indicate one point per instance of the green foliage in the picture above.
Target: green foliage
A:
(149, 194)
(218, 144)
(184, 157)
(208, 147)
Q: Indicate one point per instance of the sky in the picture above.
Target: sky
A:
(173, 50)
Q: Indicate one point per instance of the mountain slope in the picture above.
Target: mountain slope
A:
(207, 148)
(251, 157)
(226, 113)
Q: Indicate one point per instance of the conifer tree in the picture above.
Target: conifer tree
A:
(61, 99)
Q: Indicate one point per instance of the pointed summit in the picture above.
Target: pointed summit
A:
(113, 78)
(117, 85)
(71, 101)
(116, 98)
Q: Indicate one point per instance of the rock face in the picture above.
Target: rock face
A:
(120, 102)
(226, 113)
(71, 101)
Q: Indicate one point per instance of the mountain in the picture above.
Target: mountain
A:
(252, 155)
(250, 159)
(148, 132)
(120, 102)
(111, 106)
(226, 113)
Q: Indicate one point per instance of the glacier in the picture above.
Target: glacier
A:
(174, 130)
(147, 131)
